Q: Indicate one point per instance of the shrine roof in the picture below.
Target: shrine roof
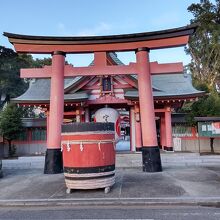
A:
(39, 92)
(207, 119)
(169, 86)
(164, 86)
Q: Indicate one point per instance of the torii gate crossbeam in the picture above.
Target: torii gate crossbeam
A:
(100, 70)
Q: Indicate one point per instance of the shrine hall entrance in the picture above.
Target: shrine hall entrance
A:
(124, 142)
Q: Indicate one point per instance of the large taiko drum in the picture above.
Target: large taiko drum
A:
(109, 115)
(88, 155)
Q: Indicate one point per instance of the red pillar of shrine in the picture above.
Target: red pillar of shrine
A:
(53, 158)
(150, 150)
(47, 125)
(168, 127)
(162, 131)
(132, 129)
(138, 141)
(138, 138)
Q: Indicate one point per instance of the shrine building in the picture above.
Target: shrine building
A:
(144, 93)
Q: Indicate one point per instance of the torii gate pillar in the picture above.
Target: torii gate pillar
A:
(150, 150)
(53, 158)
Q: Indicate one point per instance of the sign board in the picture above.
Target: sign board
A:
(177, 144)
(216, 127)
(209, 129)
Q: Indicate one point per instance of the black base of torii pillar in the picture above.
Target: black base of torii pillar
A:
(151, 159)
(53, 161)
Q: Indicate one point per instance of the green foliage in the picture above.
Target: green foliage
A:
(202, 86)
(204, 45)
(204, 48)
(208, 105)
(38, 63)
(11, 124)
(10, 65)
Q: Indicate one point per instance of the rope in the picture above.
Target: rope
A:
(87, 142)
(81, 143)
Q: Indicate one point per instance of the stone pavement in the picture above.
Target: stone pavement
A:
(186, 179)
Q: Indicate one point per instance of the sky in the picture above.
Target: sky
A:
(96, 17)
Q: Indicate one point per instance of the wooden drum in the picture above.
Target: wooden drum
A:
(88, 155)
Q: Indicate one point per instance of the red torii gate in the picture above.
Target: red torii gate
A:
(141, 43)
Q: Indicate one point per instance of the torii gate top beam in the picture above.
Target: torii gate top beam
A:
(126, 42)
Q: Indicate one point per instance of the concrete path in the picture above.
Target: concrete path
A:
(25, 184)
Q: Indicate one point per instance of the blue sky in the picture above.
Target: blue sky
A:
(96, 17)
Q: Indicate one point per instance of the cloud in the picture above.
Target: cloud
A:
(61, 26)
(100, 29)
(62, 29)
(163, 20)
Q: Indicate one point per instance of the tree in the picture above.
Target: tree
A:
(10, 63)
(11, 124)
(38, 63)
(207, 106)
(204, 45)
(204, 48)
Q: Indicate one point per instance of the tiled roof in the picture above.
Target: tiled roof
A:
(39, 91)
(169, 85)
(164, 85)
(208, 119)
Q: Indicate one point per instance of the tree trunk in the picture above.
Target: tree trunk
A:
(10, 151)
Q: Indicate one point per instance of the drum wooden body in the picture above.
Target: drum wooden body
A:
(88, 155)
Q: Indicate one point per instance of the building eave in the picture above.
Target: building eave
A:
(167, 97)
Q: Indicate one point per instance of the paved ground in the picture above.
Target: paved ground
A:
(25, 184)
(112, 212)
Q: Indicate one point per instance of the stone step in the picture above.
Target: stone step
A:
(125, 160)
